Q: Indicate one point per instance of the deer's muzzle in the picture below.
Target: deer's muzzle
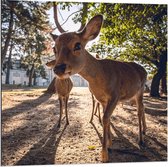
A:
(59, 69)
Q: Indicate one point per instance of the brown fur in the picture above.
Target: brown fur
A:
(110, 81)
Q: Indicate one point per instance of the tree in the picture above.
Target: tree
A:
(24, 15)
(20, 23)
(32, 61)
(161, 72)
(9, 63)
(10, 27)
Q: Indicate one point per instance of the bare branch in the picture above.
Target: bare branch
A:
(69, 17)
(81, 27)
(83, 16)
(56, 18)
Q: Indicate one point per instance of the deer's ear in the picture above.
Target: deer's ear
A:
(54, 37)
(92, 28)
(51, 64)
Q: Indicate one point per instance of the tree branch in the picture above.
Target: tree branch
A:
(69, 17)
(56, 18)
(155, 62)
(83, 16)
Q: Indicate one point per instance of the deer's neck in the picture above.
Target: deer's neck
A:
(91, 68)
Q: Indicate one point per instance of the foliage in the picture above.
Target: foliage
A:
(30, 26)
(34, 52)
(138, 31)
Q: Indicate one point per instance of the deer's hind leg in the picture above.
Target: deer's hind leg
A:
(93, 109)
(141, 116)
(98, 109)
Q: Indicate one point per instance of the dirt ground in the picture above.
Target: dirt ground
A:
(30, 135)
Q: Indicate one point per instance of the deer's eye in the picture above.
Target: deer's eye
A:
(77, 46)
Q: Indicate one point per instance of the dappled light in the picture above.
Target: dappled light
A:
(30, 134)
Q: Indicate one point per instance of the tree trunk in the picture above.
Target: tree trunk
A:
(9, 65)
(31, 76)
(34, 76)
(51, 88)
(8, 37)
(159, 75)
(155, 85)
(164, 84)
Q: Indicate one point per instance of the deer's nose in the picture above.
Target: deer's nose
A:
(60, 69)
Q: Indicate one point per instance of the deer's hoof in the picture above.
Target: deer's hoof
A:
(105, 157)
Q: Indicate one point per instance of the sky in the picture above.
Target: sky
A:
(69, 25)
(62, 16)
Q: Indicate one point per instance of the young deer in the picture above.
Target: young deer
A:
(63, 88)
(110, 81)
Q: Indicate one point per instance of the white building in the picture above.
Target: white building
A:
(18, 76)
(78, 81)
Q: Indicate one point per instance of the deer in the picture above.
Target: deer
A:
(110, 81)
(63, 88)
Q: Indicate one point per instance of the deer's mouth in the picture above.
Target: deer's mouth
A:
(62, 71)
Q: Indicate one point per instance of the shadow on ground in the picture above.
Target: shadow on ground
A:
(33, 137)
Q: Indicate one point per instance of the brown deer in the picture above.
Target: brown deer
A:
(110, 81)
(63, 88)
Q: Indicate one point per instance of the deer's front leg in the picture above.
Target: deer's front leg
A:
(61, 111)
(107, 141)
(106, 123)
(66, 109)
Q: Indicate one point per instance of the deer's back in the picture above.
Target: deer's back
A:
(124, 79)
(130, 78)
(124, 71)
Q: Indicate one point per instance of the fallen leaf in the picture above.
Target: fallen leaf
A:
(91, 147)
